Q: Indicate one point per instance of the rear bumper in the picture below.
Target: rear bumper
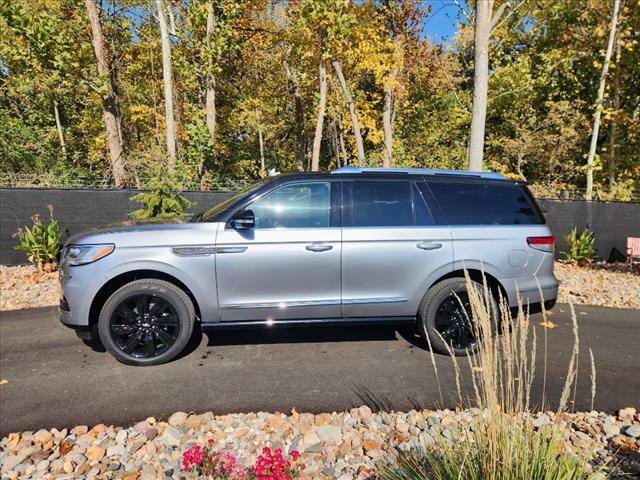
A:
(533, 299)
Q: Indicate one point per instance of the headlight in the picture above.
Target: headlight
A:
(83, 254)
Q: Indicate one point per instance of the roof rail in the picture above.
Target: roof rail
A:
(418, 171)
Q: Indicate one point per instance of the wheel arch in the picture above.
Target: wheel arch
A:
(495, 286)
(122, 279)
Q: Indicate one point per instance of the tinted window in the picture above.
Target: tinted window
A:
(299, 205)
(423, 215)
(381, 204)
(485, 203)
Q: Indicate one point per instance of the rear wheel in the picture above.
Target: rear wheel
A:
(146, 322)
(445, 317)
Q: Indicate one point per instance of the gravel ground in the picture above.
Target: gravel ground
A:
(601, 285)
(340, 446)
(24, 287)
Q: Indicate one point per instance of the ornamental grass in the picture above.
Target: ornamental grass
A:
(502, 443)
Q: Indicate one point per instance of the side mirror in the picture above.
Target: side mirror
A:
(243, 220)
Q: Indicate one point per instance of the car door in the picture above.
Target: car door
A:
(391, 247)
(288, 265)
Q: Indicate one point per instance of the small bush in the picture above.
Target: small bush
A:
(580, 247)
(41, 243)
(207, 462)
(163, 199)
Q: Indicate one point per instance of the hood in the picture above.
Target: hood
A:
(131, 226)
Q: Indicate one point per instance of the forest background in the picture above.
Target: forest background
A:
(215, 93)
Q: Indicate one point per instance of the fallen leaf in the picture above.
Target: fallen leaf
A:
(548, 324)
(4, 381)
(294, 413)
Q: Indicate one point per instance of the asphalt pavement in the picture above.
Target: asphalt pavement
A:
(55, 380)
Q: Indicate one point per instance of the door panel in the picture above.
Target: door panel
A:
(383, 269)
(390, 248)
(278, 270)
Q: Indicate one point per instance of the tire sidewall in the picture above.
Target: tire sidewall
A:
(169, 293)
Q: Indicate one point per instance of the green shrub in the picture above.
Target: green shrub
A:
(41, 243)
(163, 199)
(580, 247)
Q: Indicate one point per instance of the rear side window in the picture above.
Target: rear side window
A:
(467, 203)
(381, 204)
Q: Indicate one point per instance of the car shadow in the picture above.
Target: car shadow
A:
(284, 334)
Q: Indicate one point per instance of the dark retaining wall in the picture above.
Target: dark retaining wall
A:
(79, 210)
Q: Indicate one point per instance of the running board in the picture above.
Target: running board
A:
(312, 322)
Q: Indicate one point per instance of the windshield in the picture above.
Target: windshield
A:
(213, 212)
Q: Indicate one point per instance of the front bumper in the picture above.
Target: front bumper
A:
(85, 332)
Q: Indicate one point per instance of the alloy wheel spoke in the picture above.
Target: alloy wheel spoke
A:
(158, 307)
(166, 321)
(141, 304)
(123, 329)
(127, 314)
(132, 343)
(448, 333)
(149, 344)
(165, 337)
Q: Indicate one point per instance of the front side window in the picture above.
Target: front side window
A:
(298, 205)
(381, 204)
(470, 203)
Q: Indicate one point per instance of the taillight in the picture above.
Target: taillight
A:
(546, 244)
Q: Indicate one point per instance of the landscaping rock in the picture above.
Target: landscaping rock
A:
(333, 445)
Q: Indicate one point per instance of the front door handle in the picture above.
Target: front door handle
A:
(429, 245)
(318, 247)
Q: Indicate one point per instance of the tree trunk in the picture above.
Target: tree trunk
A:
(261, 144)
(352, 111)
(480, 84)
(109, 102)
(387, 126)
(598, 112)
(56, 114)
(167, 77)
(297, 99)
(210, 102)
(613, 132)
(317, 139)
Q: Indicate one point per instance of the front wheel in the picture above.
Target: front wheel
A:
(446, 319)
(146, 322)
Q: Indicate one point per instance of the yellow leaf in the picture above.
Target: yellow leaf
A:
(4, 381)
(548, 324)
(294, 413)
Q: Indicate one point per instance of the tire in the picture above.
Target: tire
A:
(146, 322)
(434, 309)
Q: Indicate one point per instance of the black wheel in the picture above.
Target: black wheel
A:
(146, 322)
(445, 317)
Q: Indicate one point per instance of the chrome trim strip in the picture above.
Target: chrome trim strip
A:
(194, 251)
(231, 249)
(280, 304)
(358, 301)
(311, 303)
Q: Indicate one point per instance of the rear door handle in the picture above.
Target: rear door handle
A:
(429, 245)
(318, 247)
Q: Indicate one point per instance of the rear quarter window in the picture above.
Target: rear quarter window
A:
(470, 203)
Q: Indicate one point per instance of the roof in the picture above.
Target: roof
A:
(419, 171)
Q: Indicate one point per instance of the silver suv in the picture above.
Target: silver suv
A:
(356, 246)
